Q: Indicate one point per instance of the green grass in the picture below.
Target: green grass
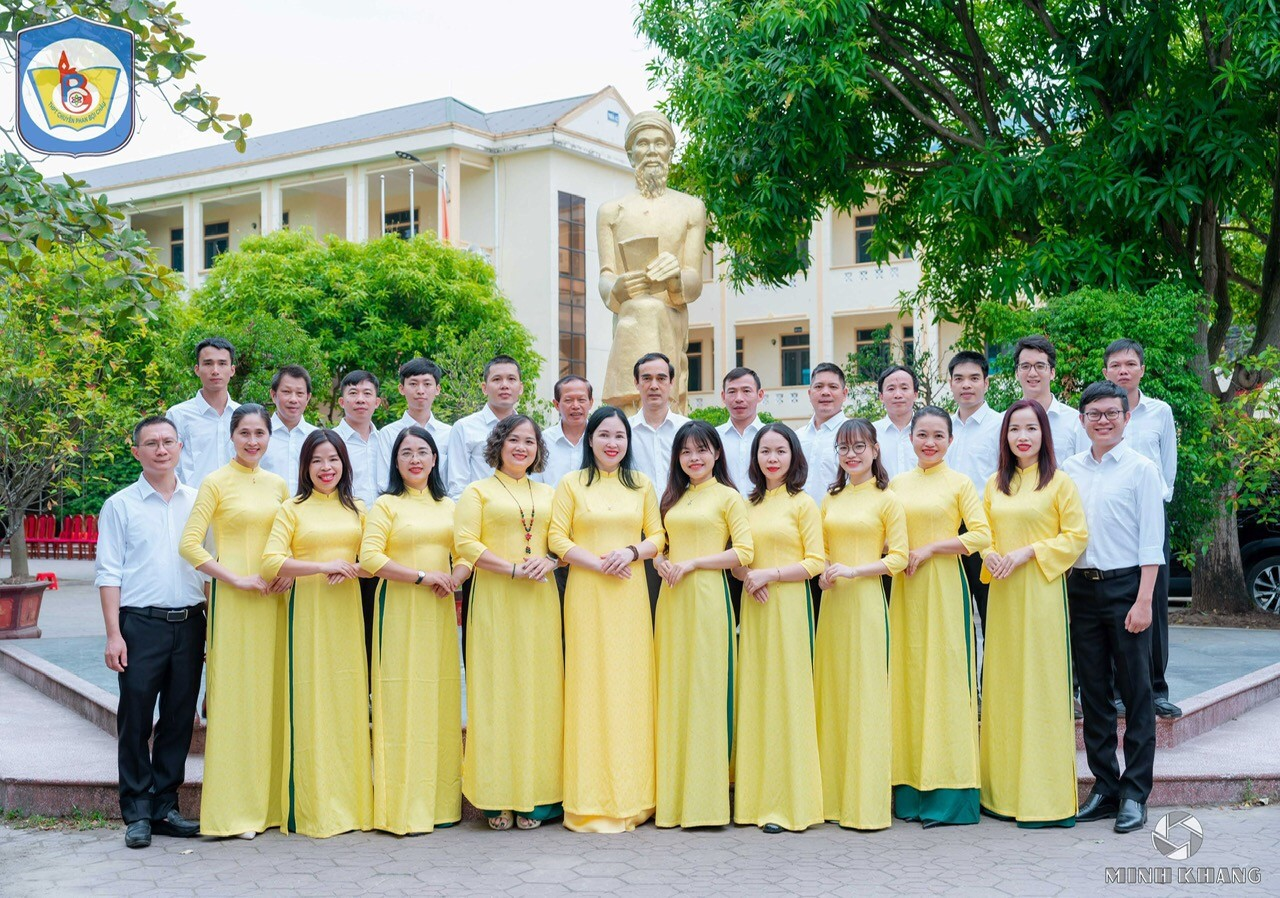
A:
(77, 821)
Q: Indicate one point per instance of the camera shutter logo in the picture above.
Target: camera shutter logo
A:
(1177, 836)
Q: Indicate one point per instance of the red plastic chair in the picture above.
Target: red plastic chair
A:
(91, 534)
(51, 577)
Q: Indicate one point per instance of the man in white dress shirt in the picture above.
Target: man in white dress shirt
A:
(502, 388)
(899, 388)
(742, 394)
(572, 399)
(975, 447)
(653, 430)
(827, 394)
(419, 385)
(1109, 592)
(153, 609)
(290, 394)
(204, 420)
(1151, 432)
(1035, 362)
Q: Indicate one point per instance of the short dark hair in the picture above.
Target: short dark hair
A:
(1103, 389)
(150, 421)
(418, 367)
(498, 436)
(827, 368)
(244, 410)
(969, 357)
(395, 483)
(309, 447)
(1039, 344)
(797, 474)
(568, 379)
(501, 360)
(215, 343)
(932, 411)
(357, 377)
(652, 357)
(848, 434)
(1122, 345)
(741, 372)
(291, 371)
(626, 467)
(894, 369)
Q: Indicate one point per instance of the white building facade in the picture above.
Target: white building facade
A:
(522, 186)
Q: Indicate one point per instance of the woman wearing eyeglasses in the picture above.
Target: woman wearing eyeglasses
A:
(1028, 747)
(416, 673)
(865, 534)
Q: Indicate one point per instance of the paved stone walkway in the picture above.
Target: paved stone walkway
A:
(989, 859)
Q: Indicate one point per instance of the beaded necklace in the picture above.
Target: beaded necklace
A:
(533, 512)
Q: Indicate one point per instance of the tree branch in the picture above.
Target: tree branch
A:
(1038, 10)
(927, 120)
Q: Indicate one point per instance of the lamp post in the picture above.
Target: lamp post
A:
(441, 178)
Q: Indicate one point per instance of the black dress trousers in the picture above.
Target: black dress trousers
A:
(1099, 640)
(1160, 625)
(164, 659)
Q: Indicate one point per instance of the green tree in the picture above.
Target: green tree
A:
(37, 214)
(373, 306)
(1030, 149)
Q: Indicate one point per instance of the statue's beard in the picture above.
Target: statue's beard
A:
(651, 181)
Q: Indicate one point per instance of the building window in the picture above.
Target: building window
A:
(217, 240)
(908, 346)
(397, 223)
(795, 360)
(572, 218)
(177, 254)
(695, 366)
(738, 354)
(284, 219)
(863, 227)
(871, 350)
(613, 116)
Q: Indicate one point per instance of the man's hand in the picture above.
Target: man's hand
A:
(1139, 616)
(117, 655)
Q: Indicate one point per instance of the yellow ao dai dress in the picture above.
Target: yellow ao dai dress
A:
(1028, 744)
(860, 525)
(244, 748)
(416, 678)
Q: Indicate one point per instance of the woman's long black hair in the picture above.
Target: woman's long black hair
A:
(1008, 463)
(797, 474)
(395, 483)
(626, 468)
(848, 434)
(309, 447)
(704, 436)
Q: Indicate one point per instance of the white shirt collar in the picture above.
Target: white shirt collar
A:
(345, 430)
(832, 423)
(980, 414)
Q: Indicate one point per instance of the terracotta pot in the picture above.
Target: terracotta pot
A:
(20, 609)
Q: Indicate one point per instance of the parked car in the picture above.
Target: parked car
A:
(1260, 553)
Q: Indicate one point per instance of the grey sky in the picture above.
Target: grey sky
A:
(298, 62)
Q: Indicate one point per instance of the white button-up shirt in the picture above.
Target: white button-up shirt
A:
(205, 435)
(651, 447)
(285, 449)
(1151, 433)
(1123, 498)
(819, 446)
(466, 450)
(737, 452)
(563, 455)
(138, 536)
(896, 452)
(439, 432)
(1069, 437)
(975, 449)
(368, 464)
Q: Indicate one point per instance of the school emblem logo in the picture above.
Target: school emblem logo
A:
(75, 87)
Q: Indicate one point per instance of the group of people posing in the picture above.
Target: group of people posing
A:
(653, 608)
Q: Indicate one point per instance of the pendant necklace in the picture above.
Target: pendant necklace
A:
(533, 513)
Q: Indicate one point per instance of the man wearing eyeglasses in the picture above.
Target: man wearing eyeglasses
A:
(1109, 592)
(1035, 362)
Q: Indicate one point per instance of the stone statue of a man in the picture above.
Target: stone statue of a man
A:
(651, 244)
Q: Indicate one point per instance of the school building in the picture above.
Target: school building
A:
(522, 186)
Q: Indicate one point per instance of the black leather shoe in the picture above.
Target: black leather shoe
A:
(174, 824)
(772, 828)
(1098, 807)
(138, 834)
(1119, 703)
(1132, 816)
(1166, 708)
(932, 824)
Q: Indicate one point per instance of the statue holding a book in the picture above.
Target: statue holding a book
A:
(651, 244)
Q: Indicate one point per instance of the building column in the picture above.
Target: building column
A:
(269, 218)
(357, 205)
(192, 240)
(451, 164)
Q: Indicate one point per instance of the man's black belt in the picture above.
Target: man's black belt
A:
(172, 615)
(1093, 573)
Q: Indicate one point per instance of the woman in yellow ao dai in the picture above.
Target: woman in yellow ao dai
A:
(604, 523)
(865, 531)
(931, 639)
(694, 631)
(1028, 745)
(512, 765)
(315, 539)
(416, 672)
(777, 777)
(244, 749)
